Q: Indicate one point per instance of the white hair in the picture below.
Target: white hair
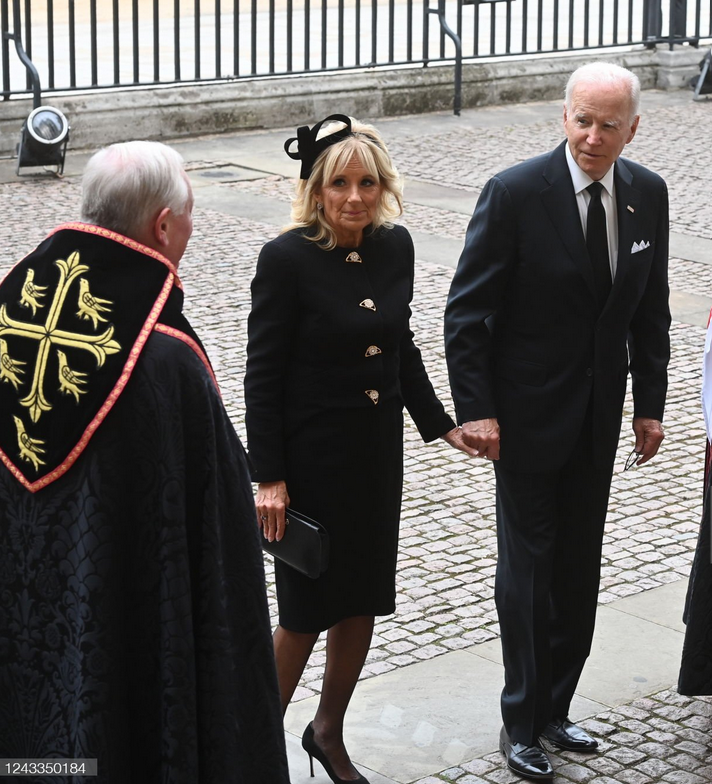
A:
(126, 184)
(606, 74)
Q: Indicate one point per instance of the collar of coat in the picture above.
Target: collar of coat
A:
(75, 315)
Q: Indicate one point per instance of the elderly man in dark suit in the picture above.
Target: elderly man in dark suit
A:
(561, 289)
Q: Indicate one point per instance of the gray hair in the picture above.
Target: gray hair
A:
(126, 184)
(606, 74)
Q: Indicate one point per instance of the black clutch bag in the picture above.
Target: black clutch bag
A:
(304, 546)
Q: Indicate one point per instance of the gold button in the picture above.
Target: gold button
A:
(369, 304)
(373, 394)
(371, 351)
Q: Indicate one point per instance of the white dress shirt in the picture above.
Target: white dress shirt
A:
(581, 181)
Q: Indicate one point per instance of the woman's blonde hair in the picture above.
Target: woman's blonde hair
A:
(368, 145)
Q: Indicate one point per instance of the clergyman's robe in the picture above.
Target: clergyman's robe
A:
(133, 616)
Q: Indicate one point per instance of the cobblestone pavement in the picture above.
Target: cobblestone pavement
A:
(664, 738)
(448, 546)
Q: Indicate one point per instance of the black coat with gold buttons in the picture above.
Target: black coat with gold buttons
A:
(330, 330)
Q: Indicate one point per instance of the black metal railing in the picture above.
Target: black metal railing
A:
(104, 43)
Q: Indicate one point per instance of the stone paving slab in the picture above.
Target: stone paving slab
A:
(420, 719)
(631, 656)
(299, 764)
(661, 738)
(686, 246)
(440, 712)
(431, 715)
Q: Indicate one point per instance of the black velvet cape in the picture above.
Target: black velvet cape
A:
(133, 616)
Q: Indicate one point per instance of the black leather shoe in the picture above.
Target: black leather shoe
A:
(564, 734)
(530, 762)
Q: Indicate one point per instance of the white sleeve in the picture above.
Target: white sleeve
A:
(707, 381)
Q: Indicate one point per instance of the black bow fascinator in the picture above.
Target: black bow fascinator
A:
(309, 148)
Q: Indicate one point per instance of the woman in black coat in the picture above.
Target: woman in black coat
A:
(330, 365)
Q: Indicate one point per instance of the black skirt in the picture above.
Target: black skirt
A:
(345, 470)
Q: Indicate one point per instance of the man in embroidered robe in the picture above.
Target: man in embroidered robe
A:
(133, 616)
(561, 289)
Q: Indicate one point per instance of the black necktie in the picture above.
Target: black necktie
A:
(597, 243)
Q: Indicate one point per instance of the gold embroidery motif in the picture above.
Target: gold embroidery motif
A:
(29, 447)
(373, 394)
(354, 257)
(69, 380)
(9, 367)
(48, 335)
(369, 304)
(90, 307)
(371, 351)
(31, 294)
(170, 281)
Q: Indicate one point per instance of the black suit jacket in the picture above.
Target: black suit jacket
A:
(525, 339)
(314, 317)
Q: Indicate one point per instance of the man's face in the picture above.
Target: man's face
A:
(598, 126)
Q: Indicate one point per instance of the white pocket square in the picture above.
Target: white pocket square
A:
(639, 246)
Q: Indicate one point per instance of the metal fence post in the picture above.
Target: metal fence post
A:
(652, 22)
(32, 76)
(445, 29)
(678, 18)
(4, 38)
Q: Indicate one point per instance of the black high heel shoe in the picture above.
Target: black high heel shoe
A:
(309, 745)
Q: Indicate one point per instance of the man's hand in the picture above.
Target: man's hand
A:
(454, 438)
(272, 501)
(483, 436)
(649, 435)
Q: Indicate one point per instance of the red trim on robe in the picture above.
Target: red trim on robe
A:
(176, 333)
(89, 228)
(134, 353)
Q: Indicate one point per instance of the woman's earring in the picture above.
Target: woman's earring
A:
(319, 206)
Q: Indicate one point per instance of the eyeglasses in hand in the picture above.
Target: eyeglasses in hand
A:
(632, 460)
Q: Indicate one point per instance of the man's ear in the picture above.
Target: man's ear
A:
(160, 227)
(633, 128)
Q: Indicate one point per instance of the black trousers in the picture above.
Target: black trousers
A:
(549, 535)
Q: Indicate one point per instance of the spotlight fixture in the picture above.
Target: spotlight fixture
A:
(43, 139)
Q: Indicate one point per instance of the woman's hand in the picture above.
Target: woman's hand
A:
(454, 438)
(272, 501)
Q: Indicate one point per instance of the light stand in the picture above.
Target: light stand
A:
(45, 132)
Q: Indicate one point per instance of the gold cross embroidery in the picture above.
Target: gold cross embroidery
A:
(48, 335)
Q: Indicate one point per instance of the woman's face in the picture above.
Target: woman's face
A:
(350, 199)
